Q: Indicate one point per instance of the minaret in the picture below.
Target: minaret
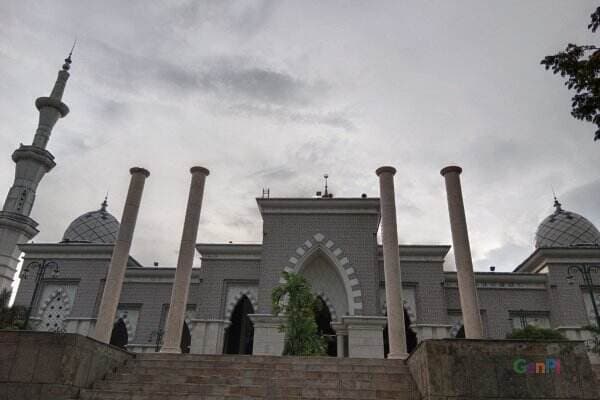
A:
(32, 163)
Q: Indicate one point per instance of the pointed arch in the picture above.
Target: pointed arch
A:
(235, 300)
(239, 336)
(318, 243)
(119, 336)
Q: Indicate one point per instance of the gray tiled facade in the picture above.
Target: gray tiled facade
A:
(333, 242)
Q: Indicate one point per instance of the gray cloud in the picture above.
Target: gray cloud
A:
(264, 94)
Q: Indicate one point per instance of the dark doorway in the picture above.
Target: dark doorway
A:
(186, 339)
(119, 336)
(323, 319)
(411, 337)
(240, 334)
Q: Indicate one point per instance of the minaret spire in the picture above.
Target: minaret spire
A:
(52, 108)
(32, 163)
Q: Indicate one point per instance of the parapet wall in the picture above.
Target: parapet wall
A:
(44, 366)
(502, 369)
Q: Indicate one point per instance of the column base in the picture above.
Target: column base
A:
(399, 356)
(170, 350)
(268, 340)
(207, 335)
(365, 336)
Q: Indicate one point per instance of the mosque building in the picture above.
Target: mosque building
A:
(331, 241)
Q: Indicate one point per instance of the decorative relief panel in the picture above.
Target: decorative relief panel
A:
(54, 306)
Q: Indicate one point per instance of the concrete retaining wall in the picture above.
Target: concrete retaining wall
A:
(44, 366)
(499, 369)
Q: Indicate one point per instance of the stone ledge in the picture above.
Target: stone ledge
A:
(476, 369)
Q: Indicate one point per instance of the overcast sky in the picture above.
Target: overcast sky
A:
(277, 93)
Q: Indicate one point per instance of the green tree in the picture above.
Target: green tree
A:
(534, 333)
(580, 65)
(294, 300)
(11, 317)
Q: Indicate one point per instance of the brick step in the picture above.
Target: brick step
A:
(87, 394)
(218, 377)
(201, 385)
(259, 376)
(241, 359)
(173, 365)
(251, 393)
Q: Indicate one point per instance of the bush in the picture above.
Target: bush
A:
(11, 317)
(534, 333)
(295, 301)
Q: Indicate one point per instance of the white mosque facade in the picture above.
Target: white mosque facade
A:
(330, 241)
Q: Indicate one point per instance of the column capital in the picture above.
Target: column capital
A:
(139, 170)
(201, 170)
(451, 168)
(385, 169)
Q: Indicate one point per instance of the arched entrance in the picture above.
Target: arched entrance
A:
(460, 334)
(240, 334)
(119, 336)
(186, 339)
(323, 320)
(411, 337)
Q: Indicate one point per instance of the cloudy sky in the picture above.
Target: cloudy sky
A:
(277, 93)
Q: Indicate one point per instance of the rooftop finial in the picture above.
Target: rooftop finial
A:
(104, 203)
(67, 65)
(325, 194)
(557, 205)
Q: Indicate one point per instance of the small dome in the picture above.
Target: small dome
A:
(566, 229)
(93, 227)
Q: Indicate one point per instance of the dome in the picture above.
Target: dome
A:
(566, 229)
(93, 227)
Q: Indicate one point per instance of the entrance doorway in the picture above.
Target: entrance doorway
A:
(323, 320)
(411, 337)
(186, 339)
(240, 334)
(119, 336)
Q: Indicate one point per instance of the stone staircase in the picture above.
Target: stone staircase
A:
(216, 377)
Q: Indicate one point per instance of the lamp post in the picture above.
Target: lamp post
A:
(586, 272)
(40, 274)
(158, 334)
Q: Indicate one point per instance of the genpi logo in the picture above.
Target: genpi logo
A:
(549, 366)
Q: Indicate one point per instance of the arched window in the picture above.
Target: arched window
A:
(323, 319)
(239, 336)
(411, 337)
(186, 339)
(119, 336)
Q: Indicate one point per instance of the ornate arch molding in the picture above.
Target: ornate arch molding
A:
(234, 301)
(412, 316)
(455, 328)
(318, 242)
(329, 305)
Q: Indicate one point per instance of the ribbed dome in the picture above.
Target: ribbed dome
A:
(566, 229)
(93, 227)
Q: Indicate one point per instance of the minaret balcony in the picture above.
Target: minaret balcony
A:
(42, 156)
(42, 102)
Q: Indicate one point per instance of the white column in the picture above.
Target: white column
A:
(183, 273)
(391, 264)
(118, 262)
(462, 254)
(340, 333)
